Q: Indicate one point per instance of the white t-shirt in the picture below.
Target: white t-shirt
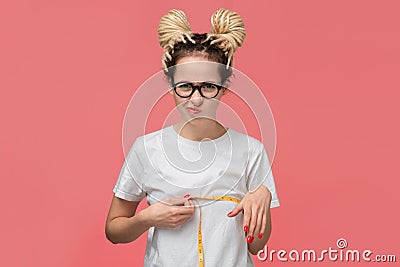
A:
(164, 164)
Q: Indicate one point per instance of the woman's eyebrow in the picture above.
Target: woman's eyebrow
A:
(198, 82)
(183, 82)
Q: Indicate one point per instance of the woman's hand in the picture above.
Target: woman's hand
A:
(256, 208)
(171, 212)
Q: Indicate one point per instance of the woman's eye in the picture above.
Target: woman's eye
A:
(209, 86)
(183, 86)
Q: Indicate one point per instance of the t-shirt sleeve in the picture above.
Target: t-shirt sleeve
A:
(260, 172)
(129, 184)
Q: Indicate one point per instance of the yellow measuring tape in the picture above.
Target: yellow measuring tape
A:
(199, 236)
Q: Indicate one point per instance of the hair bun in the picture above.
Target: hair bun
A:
(228, 28)
(173, 28)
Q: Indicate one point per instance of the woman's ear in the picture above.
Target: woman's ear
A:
(170, 90)
(170, 87)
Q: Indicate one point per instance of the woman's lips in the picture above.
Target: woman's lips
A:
(193, 110)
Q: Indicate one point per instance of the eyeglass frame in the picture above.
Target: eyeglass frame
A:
(198, 88)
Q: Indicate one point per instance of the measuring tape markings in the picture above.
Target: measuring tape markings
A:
(199, 235)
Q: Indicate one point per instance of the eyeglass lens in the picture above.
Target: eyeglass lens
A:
(208, 90)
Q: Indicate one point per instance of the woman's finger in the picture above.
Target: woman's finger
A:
(184, 210)
(246, 219)
(253, 222)
(264, 223)
(260, 218)
(236, 210)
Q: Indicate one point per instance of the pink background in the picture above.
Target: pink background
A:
(329, 69)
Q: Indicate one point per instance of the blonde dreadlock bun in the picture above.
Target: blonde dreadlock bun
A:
(172, 29)
(227, 32)
(228, 29)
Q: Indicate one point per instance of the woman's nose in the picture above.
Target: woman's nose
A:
(196, 97)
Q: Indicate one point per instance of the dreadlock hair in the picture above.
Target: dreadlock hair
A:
(177, 39)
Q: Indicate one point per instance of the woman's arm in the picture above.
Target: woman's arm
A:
(122, 225)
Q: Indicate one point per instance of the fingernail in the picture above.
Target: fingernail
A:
(260, 236)
(245, 228)
(250, 239)
(187, 195)
(229, 213)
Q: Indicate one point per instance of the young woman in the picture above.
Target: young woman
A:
(209, 188)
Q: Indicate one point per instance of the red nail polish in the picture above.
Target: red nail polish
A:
(250, 239)
(229, 213)
(260, 236)
(187, 195)
(245, 228)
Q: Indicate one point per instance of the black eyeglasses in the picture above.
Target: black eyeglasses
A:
(206, 89)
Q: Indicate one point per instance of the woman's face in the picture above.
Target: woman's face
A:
(197, 69)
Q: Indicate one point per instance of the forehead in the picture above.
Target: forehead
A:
(197, 71)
